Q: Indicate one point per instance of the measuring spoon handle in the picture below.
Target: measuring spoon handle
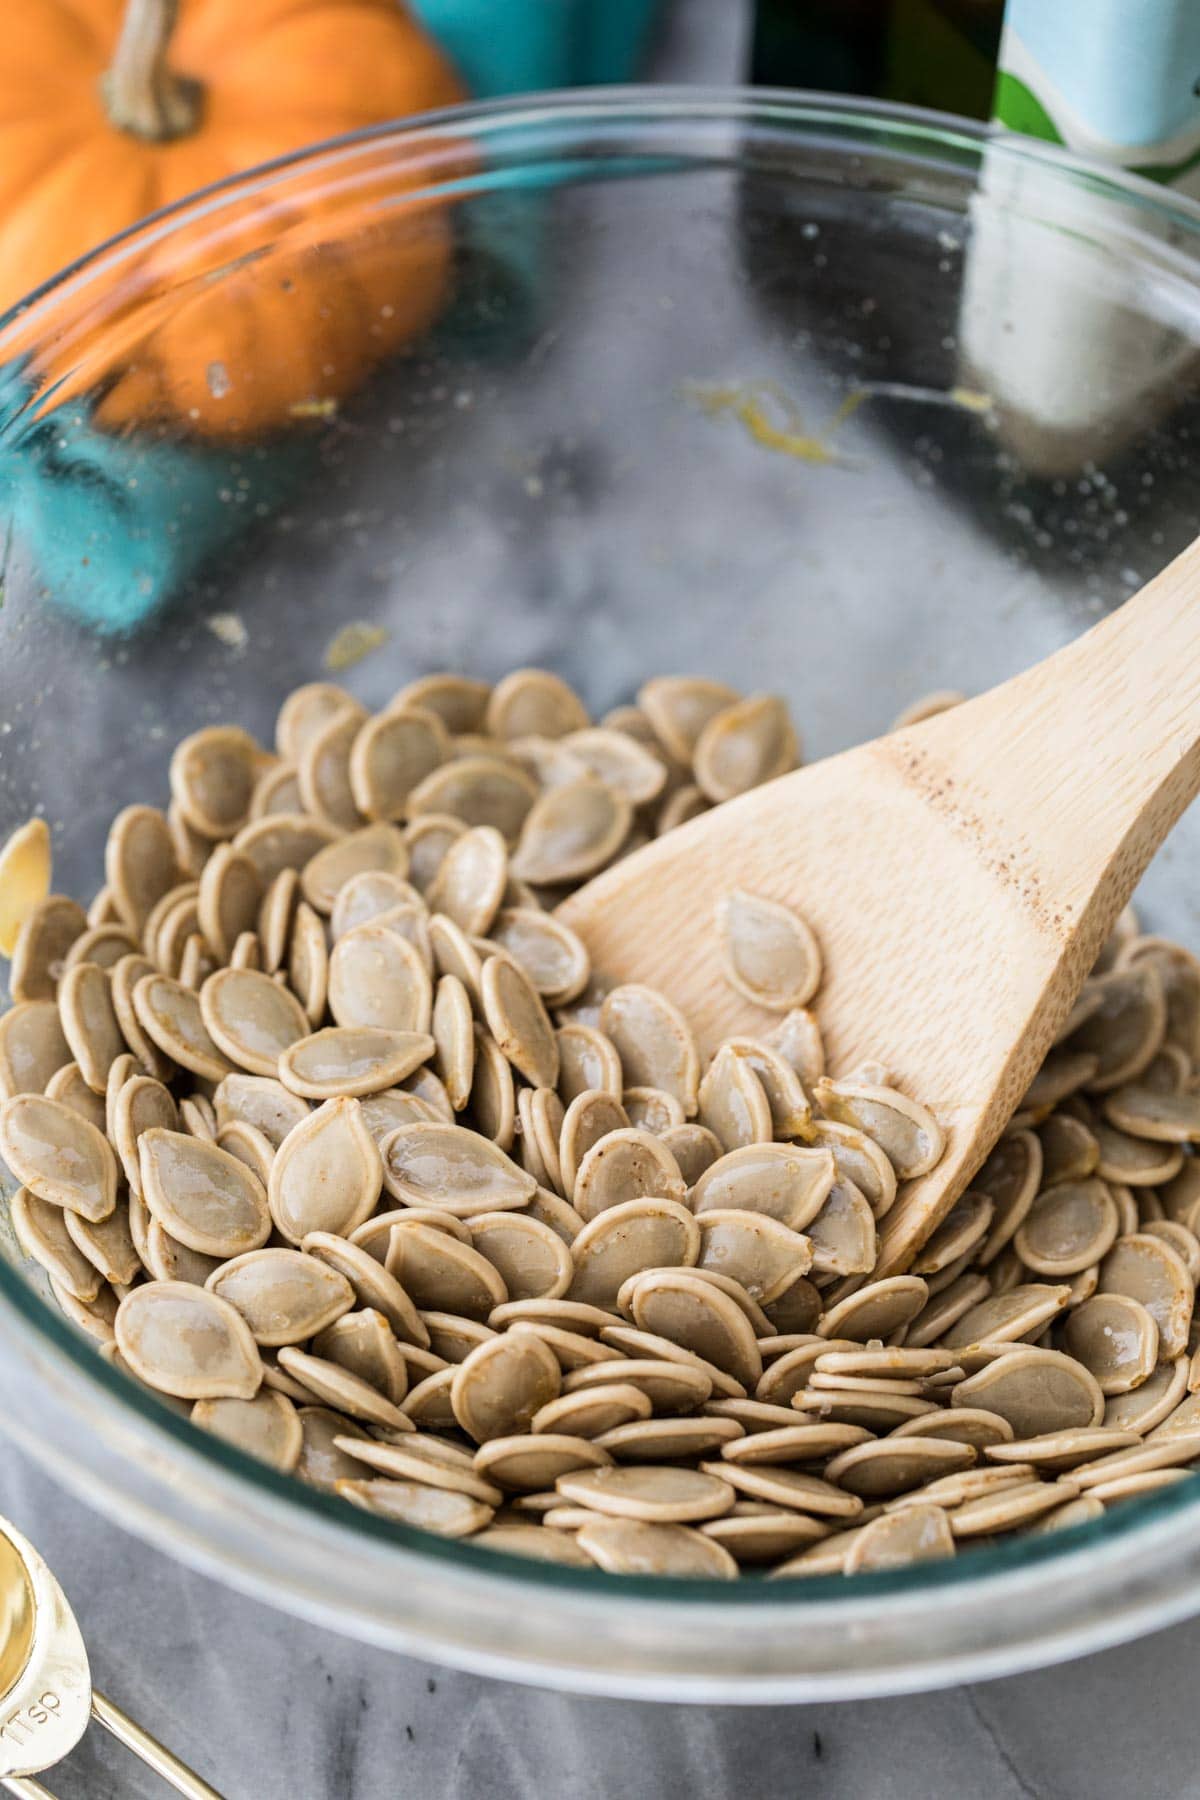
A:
(155, 1755)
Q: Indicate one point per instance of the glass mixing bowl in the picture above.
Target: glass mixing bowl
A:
(844, 401)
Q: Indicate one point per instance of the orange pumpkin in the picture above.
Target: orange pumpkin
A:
(98, 129)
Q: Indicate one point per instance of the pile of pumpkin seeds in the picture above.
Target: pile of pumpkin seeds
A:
(326, 1131)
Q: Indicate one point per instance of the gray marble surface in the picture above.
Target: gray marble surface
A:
(272, 1710)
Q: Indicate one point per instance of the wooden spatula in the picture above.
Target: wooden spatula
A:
(961, 876)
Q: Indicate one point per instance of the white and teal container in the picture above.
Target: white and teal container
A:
(1116, 79)
(1071, 374)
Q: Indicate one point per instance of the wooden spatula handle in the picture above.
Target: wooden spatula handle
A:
(1070, 775)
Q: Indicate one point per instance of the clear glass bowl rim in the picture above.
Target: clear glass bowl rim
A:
(565, 117)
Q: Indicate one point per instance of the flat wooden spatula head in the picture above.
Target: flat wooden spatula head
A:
(960, 876)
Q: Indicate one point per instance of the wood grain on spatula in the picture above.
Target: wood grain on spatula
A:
(960, 875)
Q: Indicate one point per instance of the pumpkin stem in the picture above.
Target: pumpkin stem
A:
(141, 94)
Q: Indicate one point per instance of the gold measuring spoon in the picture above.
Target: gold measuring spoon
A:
(46, 1693)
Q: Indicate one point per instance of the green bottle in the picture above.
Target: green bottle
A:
(934, 53)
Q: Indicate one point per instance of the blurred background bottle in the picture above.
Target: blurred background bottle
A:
(935, 53)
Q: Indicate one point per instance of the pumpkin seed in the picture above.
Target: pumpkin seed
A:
(342, 1390)
(139, 863)
(192, 851)
(534, 703)
(1069, 1150)
(966, 1424)
(212, 775)
(453, 1031)
(588, 1061)
(476, 790)
(927, 707)
(619, 761)
(391, 755)
(794, 1443)
(374, 848)
(267, 1427)
(571, 831)
(306, 712)
(650, 1494)
(594, 1411)
(877, 1310)
(59, 1156)
(471, 878)
(32, 1048)
(285, 1297)
(428, 838)
(1143, 1112)
(760, 1253)
(323, 771)
(259, 1101)
(907, 1132)
(277, 790)
(429, 1087)
(497, 1390)
(653, 1041)
(378, 980)
(532, 1261)
(275, 918)
(368, 897)
(961, 1231)
(843, 1233)
(67, 1084)
(1126, 1028)
(1135, 1162)
(677, 1305)
(443, 1275)
(182, 1340)
(41, 1231)
(451, 1168)
(694, 1148)
(24, 879)
(492, 1097)
(1003, 1318)
(43, 942)
(89, 1022)
(373, 1286)
(308, 963)
(550, 953)
(206, 1199)
(251, 1019)
(1010, 1178)
(327, 1174)
(1134, 1484)
(785, 1182)
(732, 1103)
(527, 1464)
(518, 1021)
(1036, 1390)
(351, 1060)
(170, 1016)
(678, 707)
(742, 746)
(96, 1318)
(534, 1541)
(624, 1239)
(1068, 1228)
(1146, 1269)
(877, 1471)
(363, 1343)
(424, 1459)
(625, 1165)
(321, 1463)
(769, 954)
